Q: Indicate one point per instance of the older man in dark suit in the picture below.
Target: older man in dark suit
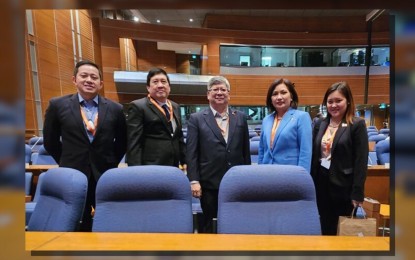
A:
(85, 131)
(154, 127)
(217, 139)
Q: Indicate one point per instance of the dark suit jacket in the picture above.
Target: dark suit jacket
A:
(208, 155)
(348, 166)
(65, 137)
(149, 139)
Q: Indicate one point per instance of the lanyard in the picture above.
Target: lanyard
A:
(90, 124)
(169, 106)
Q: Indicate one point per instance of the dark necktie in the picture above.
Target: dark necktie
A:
(166, 110)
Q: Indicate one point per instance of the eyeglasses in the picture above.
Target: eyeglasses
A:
(216, 90)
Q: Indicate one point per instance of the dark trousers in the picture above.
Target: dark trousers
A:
(86, 224)
(209, 204)
(330, 205)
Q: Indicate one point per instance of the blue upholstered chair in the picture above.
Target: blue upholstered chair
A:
(372, 127)
(28, 182)
(377, 138)
(384, 131)
(42, 157)
(28, 154)
(256, 138)
(61, 202)
(148, 198)
(197, 212)
(30, 206)
(35, 143)
(372, 133)
(253, 148)
(268, 199)
(372, 159)
(252, 133)
(383, 151)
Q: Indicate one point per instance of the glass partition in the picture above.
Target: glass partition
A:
(272, 56)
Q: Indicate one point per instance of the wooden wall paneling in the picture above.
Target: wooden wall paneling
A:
(44, 22)
(132, 55)
(123, 54)
(50, 87)
(47, 59)
(252, 90)
(85, 24)
(87, 49)
(182, 63)
(111, 59)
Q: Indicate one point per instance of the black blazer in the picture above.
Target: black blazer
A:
(65, 136)
(349, 158)
(208, 155)
(150, 140)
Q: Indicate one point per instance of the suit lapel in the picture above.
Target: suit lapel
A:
(340, 131)
(76, 112)
(321, 131)
(211, 122)
(102, 113)
(233, 117)
(158, 113)
(285, 120)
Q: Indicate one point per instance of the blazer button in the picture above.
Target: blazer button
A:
(229, 151)
(229, 164)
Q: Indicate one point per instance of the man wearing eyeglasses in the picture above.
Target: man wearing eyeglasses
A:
(154, 129)
(217, 139)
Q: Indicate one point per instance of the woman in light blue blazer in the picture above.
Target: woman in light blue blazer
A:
(286, 134)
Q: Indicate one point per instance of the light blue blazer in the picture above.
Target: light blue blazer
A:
(292, 142)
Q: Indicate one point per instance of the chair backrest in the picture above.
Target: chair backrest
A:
(256, 138)
(372, 133)
(372, 127)
(42, 157)
(28, 153)
(253, 149)
(147, 198)
(30, 206)
(28, 182)
(377, 138)
(61, 201)
(372, 158)
(268, 199)
(252, 133)
(384, 131)
(35, 143)
(383, 151)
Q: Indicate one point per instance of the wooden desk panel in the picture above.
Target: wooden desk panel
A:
(37, 239)
(377, 185)
(96, 241)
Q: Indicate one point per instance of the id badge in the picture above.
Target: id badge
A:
(325, 163)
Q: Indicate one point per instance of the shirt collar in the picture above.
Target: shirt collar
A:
(81, 99)
(216, 112)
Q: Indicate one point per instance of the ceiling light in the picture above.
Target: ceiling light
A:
(191, 20)
(190, 52)
(158, 21)
(136, 19)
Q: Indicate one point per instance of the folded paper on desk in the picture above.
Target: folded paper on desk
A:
(351, 226)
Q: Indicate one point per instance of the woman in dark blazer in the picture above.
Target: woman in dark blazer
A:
(340, 154)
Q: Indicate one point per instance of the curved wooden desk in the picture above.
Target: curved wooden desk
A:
(43, 242)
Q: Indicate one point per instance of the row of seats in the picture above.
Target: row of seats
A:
(253, 199)
(40, 157)
(381, 153)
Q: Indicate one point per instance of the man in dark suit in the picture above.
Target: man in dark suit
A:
(85, 131)
(217, 139)
(154, 126)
